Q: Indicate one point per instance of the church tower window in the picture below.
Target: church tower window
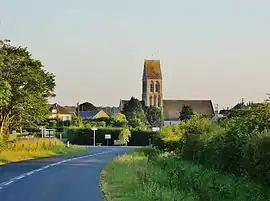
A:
(157, 87)
(159, 101)
(152, 85)
(155, 101)
(151, 100)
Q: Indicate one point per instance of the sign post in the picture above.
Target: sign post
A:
(154, 129)
(94, 137)
(107, 137)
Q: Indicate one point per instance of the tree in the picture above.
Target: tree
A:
(30, 87)
(186, 113)
(124, 134)
(5, 93)
(135, 113)
(77, 121)
(120, 120)
(87, 107)
(153, 115)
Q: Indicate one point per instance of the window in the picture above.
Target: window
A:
(151, 100)
(155, 101)
(157, 86)
(152, 86)
(159, 101)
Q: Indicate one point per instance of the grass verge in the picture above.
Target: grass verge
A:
(35, 148)
(145, 175)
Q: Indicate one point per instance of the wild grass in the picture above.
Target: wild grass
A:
(35, 148)
(141, 176)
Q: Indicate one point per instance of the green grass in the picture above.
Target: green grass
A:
(160, 177)
(35, 148)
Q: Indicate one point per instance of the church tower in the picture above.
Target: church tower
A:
(152, 84)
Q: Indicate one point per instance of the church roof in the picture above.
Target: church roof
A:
(124, 102)
(152, 69)
(172, 108)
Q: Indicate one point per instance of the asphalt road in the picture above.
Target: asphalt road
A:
(61, 178)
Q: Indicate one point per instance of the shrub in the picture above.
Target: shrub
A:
(84, 136)
(124, 133)
(240, 145)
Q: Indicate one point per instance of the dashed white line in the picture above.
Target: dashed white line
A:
(15, 179)
(9, 182)
(20, 177)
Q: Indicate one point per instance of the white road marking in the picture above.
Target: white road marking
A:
(15, 179)
(9, 182)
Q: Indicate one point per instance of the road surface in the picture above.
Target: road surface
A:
(61, 178)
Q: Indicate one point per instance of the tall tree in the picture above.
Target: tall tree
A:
(120, 120)
(186, 113)
(5, 93)
(153, 115)
(135, 113)
(87, 107)
(30, 87)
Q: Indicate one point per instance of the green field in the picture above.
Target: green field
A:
(35, 148)
(148, 176)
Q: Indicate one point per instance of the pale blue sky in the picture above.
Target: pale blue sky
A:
(210, 49)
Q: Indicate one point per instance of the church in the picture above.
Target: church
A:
(152, 94)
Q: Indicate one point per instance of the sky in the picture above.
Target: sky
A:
(218, 50)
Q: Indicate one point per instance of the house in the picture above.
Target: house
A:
(95, 114)
(227, 112)
(63, 113)
(172, 109)
(152, 95)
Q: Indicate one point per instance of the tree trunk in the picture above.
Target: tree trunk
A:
(5, 125)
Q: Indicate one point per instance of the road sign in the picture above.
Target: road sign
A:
(155, 129)
(107, 136)
(49, 133)
(127, 139)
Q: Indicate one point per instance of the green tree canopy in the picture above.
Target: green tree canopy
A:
(120, 120)
(125, 133)
(87, 107)
(186, 113)
(135, 113)
(5, 93)
(153, 115)
(30, 87)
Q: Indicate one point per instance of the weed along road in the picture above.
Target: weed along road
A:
(60, 178)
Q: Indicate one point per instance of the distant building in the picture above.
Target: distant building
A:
(152, 94)
(96, 114)
(226, 112)
(60, 112)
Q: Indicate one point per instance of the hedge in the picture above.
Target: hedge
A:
(242, 147)
(84, 136)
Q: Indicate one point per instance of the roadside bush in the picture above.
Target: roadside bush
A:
(240, 146)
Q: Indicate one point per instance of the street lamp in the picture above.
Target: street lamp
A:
(94, 129)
